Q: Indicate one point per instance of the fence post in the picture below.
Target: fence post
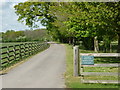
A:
(8, 54)
(14, 52)
(76, 61)
(20, 55)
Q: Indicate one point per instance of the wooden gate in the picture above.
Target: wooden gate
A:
(79, 68)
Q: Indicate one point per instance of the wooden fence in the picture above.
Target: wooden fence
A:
(15, 53)
(79, 68)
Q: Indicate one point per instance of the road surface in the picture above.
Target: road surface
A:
(44, 70)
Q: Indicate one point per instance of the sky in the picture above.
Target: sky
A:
(8, 18)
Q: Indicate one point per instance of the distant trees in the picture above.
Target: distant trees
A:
(23, 36)
(71, 22)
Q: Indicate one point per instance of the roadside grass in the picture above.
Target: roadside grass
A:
(74, 82)
(100, 69)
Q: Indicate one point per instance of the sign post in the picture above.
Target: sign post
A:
(76, 61)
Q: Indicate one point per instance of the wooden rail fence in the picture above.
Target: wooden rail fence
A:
(14, 53)
(79, 68)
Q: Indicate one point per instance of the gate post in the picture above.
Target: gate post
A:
(76, 61)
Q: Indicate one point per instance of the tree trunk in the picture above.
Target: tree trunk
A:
(118, 49)
(73, 41)
(96, 46)
(110, 47)
(69, 40)
(107, 41)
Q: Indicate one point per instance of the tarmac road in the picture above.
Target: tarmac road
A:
(44, 70)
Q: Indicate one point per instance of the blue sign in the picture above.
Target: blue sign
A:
(87, 60)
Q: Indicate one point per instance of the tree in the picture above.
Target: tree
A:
(114, 21)
(72, 21)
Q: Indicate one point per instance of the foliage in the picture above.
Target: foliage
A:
(23, 36)
(73, 21)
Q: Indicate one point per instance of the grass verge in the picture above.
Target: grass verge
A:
(74, 82)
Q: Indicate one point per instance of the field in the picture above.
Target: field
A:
(14, 43)
(74, 82)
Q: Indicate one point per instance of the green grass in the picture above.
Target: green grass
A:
(101, 77)
(100, 69)
(106, 60)
(74, 82)
(11, 43)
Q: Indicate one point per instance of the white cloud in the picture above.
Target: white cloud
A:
(0, 11)
(12, 5)
(14, 0)
(8, 16)
(2, 0)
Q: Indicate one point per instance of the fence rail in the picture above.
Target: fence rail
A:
(79, 67)
(15, 53)
(99, 81)
(100, 73)
(82, 73)
(101, 54)
(103, 65)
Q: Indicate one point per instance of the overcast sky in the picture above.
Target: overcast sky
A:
(8, 18)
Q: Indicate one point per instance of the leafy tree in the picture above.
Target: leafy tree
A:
(73, 21)
(23, 36)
